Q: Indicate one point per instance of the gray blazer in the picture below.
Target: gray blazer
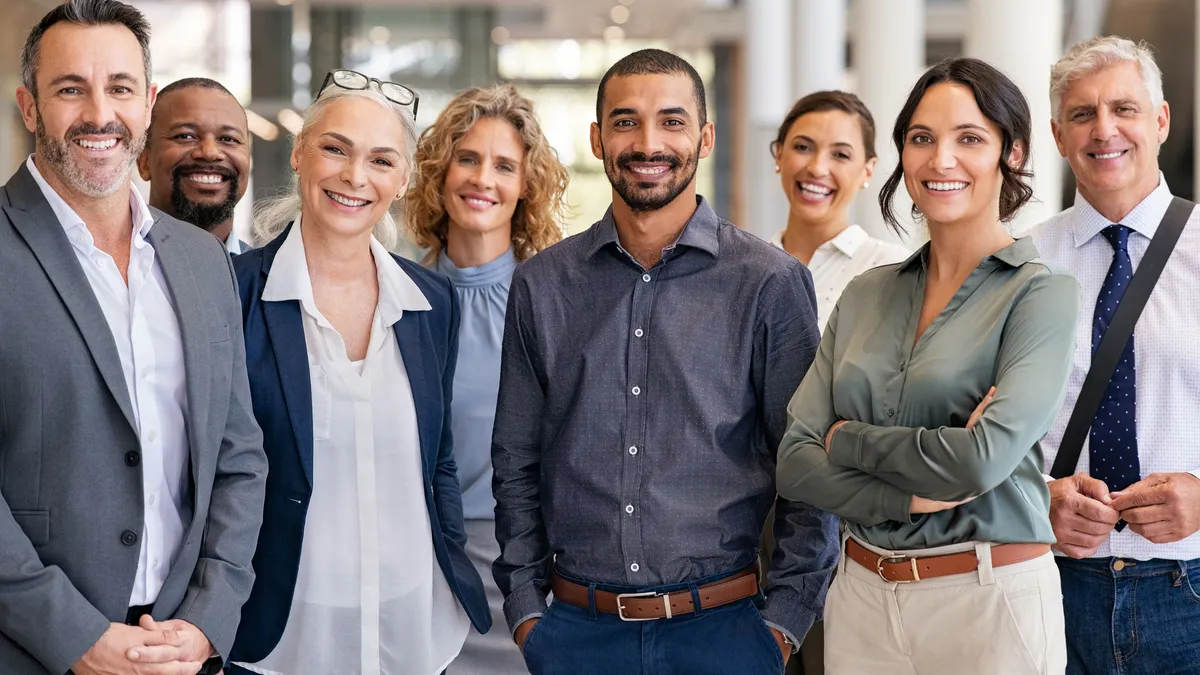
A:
(70, 478)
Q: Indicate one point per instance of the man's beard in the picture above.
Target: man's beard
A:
(204, 216)
(643, 197)
(93, 178)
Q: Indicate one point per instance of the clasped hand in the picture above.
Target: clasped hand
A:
(1162, 507)
(172, 647)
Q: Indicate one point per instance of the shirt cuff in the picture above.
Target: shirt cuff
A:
(526, 602)
(845, 448)
(1050, 479)
(788, 614)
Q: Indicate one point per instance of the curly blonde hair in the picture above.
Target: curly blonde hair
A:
(536, 223)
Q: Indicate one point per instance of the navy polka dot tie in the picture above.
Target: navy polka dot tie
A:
(1112, 449)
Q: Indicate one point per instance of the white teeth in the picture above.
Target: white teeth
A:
(945, 187)
(346, 201)
(478, 203)
(97, 145)
(815, 189)
(206, 178)
(1109, 155)
(650, 171)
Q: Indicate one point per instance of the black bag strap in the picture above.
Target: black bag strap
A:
(1108, 353)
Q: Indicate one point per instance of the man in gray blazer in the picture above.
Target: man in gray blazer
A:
(131, 468)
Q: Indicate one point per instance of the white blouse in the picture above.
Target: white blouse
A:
(370, 596)
(842, 258)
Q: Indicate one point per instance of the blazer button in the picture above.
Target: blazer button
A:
(132, 458)
(129, 538)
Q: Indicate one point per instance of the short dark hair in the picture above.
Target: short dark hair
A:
(187, 83)
(84, 13)
(820, 101)
(652, 62)
(1000, 101)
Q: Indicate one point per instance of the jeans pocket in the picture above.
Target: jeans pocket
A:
(1188, 586)
(768, 638)
(535, 631)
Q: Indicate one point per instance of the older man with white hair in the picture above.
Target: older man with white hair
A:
(1125, 498)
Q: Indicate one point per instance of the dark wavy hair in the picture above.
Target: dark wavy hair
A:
(1000, 101)
(820, 101)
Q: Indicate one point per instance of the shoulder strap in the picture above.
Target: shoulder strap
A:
(1108, 353)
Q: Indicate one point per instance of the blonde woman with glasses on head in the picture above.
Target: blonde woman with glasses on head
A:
(360, 563)
(489, 193)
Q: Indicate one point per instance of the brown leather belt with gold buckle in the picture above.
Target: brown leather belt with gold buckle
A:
(649, 606)
(906, 570)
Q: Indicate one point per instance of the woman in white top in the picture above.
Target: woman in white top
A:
(360, 563)
(824, 154)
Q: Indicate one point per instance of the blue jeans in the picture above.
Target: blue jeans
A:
(733, 638)
(1143, 619)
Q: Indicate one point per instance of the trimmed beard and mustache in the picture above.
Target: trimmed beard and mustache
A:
(205, 216)
(644, 197)
(93, 178)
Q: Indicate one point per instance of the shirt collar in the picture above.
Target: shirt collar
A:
(74, 226)
(1143, 219)
(848, 241)
(233, 244)
(289, 280)
(1015, 254)
(699, 232)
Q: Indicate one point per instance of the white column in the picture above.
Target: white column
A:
(889, 55)
(819, 40)
(991, 27)
(767, 78)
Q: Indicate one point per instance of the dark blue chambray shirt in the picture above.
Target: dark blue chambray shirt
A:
(640, 412)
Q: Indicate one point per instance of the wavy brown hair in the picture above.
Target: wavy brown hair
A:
(536, 223)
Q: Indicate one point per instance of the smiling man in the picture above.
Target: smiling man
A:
(1130, 594)
(131, 467)
(646, 368)
(197, 156)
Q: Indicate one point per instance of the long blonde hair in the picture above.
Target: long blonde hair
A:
(537, 221)
(272, 217)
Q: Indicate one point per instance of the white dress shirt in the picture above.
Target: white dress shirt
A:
(1167, 361)
(370, 596)
(145, 327)
(842, 258)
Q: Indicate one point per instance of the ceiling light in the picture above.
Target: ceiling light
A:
(261, 126)
(499, 35)
(614, 33)
(291, 120)
(619, 14)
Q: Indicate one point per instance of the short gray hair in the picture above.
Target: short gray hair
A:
(273, 216)
(1092, 55)
(84, 13)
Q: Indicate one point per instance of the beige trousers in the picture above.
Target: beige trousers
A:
(994, 621)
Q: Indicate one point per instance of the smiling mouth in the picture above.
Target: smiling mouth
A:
(346, 201)
(944, 186)
(478, 202)
(206, 179)
(1107, 155)
(814, 190)
(100, 146)
(652, 171)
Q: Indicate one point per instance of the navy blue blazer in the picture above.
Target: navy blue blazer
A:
(277, 362)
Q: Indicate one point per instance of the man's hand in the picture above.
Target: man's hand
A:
(171, 642)
(522, 632)
(785, 648)
(1162, 507)
(1082, 514)
(110, 655)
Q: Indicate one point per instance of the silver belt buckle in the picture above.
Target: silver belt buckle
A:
(646, 594)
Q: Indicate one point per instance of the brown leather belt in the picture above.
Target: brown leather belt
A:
(650, 606)
(905, 570)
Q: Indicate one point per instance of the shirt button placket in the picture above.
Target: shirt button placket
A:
(635, 421)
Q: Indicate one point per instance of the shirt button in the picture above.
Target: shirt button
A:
(129, 537)
(902, 367)
(132, 458)
(890, 412)
(638, 332)
(633, 449)
(634, 567)
(646, 277)
(629, 508)
(151, 437)
(153, 498)
(636, 391)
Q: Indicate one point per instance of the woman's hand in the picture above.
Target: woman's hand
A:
(979, 408)
(922, 505)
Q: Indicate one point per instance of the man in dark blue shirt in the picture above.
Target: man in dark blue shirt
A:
(647, 365)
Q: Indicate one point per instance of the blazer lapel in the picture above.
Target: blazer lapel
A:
(193, 327)
(35, 221)
(286, 329)
(427, 396)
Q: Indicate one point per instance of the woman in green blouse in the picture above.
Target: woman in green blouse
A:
(918, 422)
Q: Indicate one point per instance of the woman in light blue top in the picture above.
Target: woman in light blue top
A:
(489, 193)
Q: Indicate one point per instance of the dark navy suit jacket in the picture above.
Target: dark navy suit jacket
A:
(277, 362)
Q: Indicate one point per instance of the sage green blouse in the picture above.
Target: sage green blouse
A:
(1011, 324)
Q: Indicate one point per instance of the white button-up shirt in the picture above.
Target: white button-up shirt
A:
(370, 596)
(842, 258)
(145, 327)
(1167, 361)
